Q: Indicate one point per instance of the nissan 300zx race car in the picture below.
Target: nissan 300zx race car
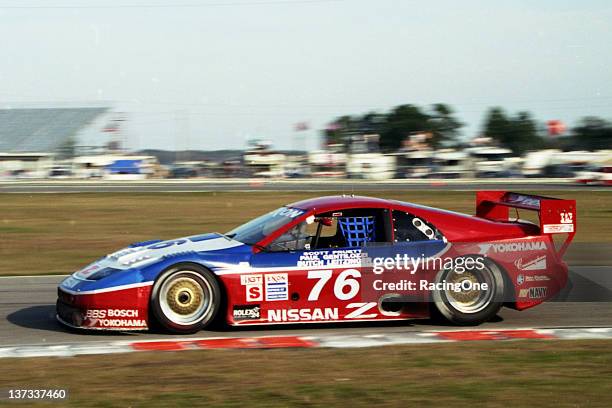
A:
(333, 259)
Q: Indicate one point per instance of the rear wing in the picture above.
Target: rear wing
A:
(556, 216)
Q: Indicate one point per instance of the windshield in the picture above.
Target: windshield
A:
(259, 228)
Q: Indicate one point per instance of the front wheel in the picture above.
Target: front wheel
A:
(472, 304)
(185, 299)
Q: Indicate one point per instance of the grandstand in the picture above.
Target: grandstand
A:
(34, 141)
(47, 130)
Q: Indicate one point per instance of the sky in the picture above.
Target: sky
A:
(212, 74)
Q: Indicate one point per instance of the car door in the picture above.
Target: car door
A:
(400, 271)
(315, 274)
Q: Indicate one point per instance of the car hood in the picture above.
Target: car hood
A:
(143, 253)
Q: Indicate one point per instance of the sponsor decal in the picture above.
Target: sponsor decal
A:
(140, 255)
(298, 315)
(166, 244)
(277, 286)
(567, 218)
(512, 247)
(558, 228)
(122, 323)
(250, 279)
(70, 282)
(88, 271)
(535, 264)
(289, 212)
(344, 257)
(538, 292)
(253, 287)
(114, 318)
(246, 312)
(104, 313)
(535, 278)
(360, 310)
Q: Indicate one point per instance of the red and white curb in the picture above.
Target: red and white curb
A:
(275, 342)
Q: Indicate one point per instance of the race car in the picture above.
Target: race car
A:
(333, 259)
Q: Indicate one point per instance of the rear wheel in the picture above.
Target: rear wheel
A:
(185, 299)
(472, 304)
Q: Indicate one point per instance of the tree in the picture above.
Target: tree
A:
(372, 122)
(400, 123)
(443, 126)
(396, 126)
(592, 133)
(518, 133)
(338, 130)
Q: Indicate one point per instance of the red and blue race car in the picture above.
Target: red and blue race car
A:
(333, 259)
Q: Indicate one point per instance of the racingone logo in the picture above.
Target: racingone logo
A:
(512, 247)
(296, 315)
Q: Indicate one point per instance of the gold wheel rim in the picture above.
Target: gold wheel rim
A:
(185, 296)
(464, 296)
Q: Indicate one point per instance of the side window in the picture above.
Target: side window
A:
(323, 232)
(350, 228)
(328, 225)
(353, 228)
(295, 239)
(408, 228)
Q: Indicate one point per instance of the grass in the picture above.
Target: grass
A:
(498, 374)
(59, 233)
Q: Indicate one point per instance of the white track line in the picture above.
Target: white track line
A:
(331, 341)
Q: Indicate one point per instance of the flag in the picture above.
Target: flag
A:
(555, 127)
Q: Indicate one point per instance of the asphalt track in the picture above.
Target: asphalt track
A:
(27, 315)
(339, 186)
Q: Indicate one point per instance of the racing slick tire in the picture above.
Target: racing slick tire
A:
(185, 299)
(469, 307)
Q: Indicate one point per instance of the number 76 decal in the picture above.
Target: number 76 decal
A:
(346, 279)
